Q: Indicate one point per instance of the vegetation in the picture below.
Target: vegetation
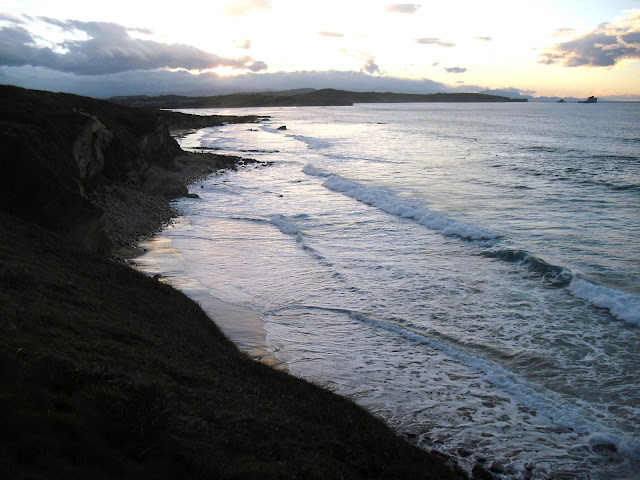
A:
(107, 373)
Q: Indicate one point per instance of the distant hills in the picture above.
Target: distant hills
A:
(302, 97)
(517, 95)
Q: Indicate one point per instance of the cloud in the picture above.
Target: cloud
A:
(255, 65)
(456, 69)
(7, 17)
(402, 8)
(239, 8)
(370, 66)
(245, 45)
(434, 41)
(324, 33)
(562, 32)
(510, 92)
(435, 64)
(605, 46)
(98, 48)
(484, 39)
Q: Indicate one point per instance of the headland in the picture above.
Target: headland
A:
(108, 373)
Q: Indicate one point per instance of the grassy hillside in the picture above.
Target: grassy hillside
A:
(107, 373)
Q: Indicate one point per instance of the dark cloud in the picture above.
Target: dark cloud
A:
(324, 33)
(7, 17)
(484, 39)
(106, 48)
(435, 41)
(244, 7)
(402, 8)
(456, 69)
(605, 46)
(370, 66)
(255, 65)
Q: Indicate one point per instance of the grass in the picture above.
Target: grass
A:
(106, 373)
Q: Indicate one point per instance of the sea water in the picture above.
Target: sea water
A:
(470, 273)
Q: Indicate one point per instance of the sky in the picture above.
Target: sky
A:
(555, 48)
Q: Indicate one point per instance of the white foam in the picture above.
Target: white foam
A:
(315, 172)
(390, 203)
(622, 305)
(285, 225)
(311, 142)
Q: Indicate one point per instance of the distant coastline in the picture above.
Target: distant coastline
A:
(302, 97)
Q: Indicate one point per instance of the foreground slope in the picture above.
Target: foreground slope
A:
(106, 373)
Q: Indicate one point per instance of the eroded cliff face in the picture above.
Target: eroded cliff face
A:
(88, 150)
(56, 150)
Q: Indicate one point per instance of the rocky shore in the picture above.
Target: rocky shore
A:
(107, 373)
(134, 212)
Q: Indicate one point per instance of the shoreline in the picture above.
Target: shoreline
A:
(110, 373)
(243, 326)
(135, 212)
(136, 231)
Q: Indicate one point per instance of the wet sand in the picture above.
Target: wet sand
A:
(241, 325)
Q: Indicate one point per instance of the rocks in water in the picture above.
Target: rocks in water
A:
(192, 195)
(481, 473)
(463, 452)
(497, 467)
(283, 127)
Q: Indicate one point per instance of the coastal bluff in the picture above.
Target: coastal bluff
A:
(107, 373)
(67, 160)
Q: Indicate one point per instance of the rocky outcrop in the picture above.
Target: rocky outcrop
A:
(64, 157)
(88, 150)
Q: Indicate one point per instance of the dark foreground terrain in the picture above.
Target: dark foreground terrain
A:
(107, 373)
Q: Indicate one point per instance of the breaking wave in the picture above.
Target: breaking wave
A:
(392, 204)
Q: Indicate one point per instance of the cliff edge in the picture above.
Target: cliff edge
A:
(64, 157)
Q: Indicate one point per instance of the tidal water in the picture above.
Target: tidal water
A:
(470, 273)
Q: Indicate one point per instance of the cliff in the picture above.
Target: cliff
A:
(61, 153)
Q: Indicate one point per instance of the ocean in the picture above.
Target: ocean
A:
(470, 273)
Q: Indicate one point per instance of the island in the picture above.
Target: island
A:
(591, 99)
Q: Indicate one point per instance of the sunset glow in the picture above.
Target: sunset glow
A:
(565, 48)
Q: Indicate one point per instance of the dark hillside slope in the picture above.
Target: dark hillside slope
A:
(106, 373)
